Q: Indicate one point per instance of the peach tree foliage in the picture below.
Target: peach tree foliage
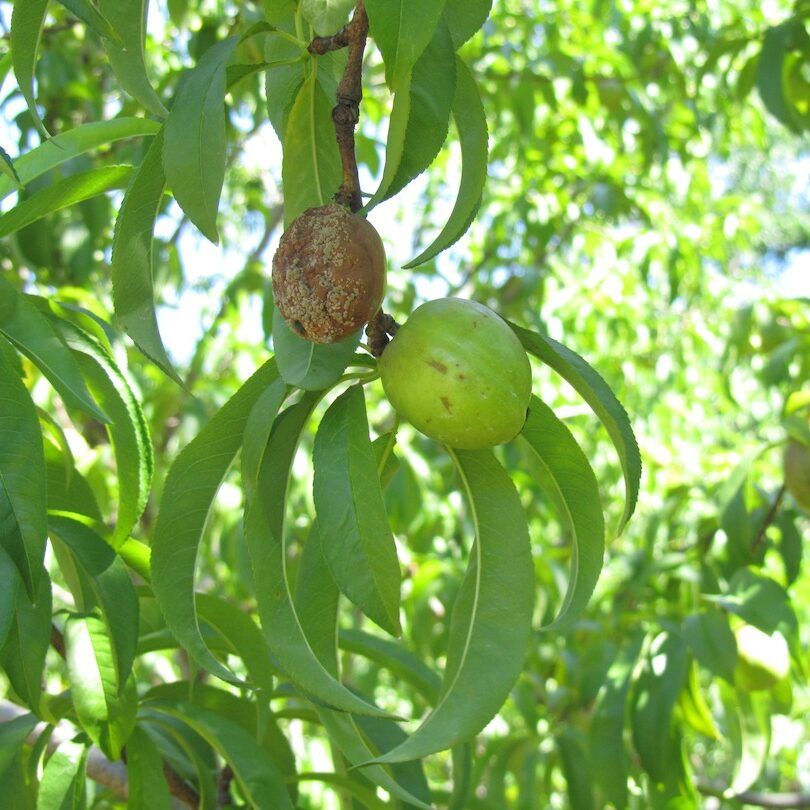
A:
(299, 608)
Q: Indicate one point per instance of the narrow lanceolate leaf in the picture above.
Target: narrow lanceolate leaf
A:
(257, 775)
(32, 334)
(310, 167)
(402, 30)
(127, 427)
(194, 150)
(106, 715)
(465, 17)
(23, 501)
(596, 392)
(576, 767)
(264, 535)
(257, 433)
(128, 20)
(316, 599)
(89, 15)
(608, 757)
(148, 789)
(190, 487)
(283, 82)
(771, 81)
(655, 694)
(112, 589)
(491, 619)
(64, 784)
(353, 526)
(10, 583)
(7, 168)
(78, 141)
(132, 257)
(471, 124)
(308, 365)
(420, 117)
(27, 20)
(62, 194)
(573, 489)
(23, 654)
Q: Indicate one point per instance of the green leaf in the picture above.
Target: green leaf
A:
(264, 535)
(693, 708)
(316, 601)
(420, 116)
(402, 663)
(596, 392)
(33, 335)
(282, 82)
(308, 365)
(107, 715)
(311, 169)
(364, 795)
(194, 150)
(13, 734)
(23, 654)
(402, 30)
(62, 194)
(771, 71)
(748, 717)
(655, 694)
(465, 17)
(574, 490)
(492, 615)
(8, 169)
(23, 501)
(133, 260)
(9, 584)
(89, 15)
(576, 768)
(257, 433)
(191, 484)
(241, 633)
(127, 427)
(758, 600)
(128, 19)
(355, 536)
(326, 16)
(255, 772)
(608, 756)
(471, 123)
(112, 589)
(64, 784)
(148, 789)
(77, 141)
(27, 20)
(710, 638)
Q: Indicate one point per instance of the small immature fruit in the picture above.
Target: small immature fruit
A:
(762, 660)
(329, 273)
(797, 472)
(458, 374)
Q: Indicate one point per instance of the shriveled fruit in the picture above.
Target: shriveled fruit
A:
(762, 660)
(797, 472)
(329, 273)
(458, 374)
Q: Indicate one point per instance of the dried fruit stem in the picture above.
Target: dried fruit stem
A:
(346, 112)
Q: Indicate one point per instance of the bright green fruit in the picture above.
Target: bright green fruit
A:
(797, 472)
(457, 373)
(762, 660)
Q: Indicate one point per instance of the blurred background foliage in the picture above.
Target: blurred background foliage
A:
(648, 205)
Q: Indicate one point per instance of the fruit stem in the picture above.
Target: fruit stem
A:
(346, 113)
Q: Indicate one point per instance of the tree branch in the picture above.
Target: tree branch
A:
(769, 518)
(112, 775)
(346, 113)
